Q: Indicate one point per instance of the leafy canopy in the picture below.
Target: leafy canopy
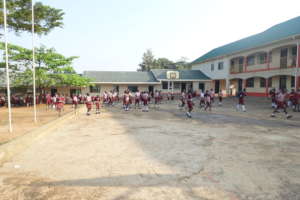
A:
(19, 16)
(52, 68)
(150, 62)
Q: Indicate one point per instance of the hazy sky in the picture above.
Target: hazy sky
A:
(113, 34)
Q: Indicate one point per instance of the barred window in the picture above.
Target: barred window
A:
(262, 82)
(250, 82)
(95, 89)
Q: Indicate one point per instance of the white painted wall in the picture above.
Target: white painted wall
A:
(216, 74)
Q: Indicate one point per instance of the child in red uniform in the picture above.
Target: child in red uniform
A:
(145, 97)
(281, 100)
(298, 100)
(294, 100)
(241, 99)
(189, 102)
(207, 100)
(97, 103)
(126, 100)
(48, 101)
(220, 98)
(182, 99)
(137, 99)
(88, 102)
(60, 104)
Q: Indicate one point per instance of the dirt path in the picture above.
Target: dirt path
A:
(159, 155)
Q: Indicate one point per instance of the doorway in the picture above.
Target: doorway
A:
(183, 87)
(150, 88)
(53, 91)
(217, 86)
(240, 85)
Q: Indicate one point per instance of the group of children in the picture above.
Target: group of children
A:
(281, 100)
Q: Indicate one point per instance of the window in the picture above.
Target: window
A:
(250, 60)
(232, 63)
(132, 88)
(250, 83)
(177, 85)
(270, 57)
(220, 65)
(293, 81)
(262, 82)
(282, 82)
(212, 67)
(201, 86)
(164, 85)
(262, 58)
(294, 51)
(95, 89)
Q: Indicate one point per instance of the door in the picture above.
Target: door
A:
(183, 87)
(282, 82)
(240, 85)
(201, 87)
(283, 58)
(217, 86)
(53, 91)
(150, 88)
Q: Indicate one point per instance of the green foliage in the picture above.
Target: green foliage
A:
(149, 62)
(52, 68)
(19, 16)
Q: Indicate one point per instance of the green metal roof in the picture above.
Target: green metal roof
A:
(183, 74)
(280, 31)
(120, 77)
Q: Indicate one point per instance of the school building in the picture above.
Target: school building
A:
(270, 59)
(159, 79)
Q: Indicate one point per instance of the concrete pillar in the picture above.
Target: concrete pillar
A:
(168, 86)
(245, 63)
(244, 83)
(172, 87)
(267, 87)
(268, 60)
(297, 67)
(227, 87)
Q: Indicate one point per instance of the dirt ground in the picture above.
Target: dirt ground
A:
(222, 155)
(22, 120)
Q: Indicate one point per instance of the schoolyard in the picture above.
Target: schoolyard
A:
(23, 121)
(218, 155)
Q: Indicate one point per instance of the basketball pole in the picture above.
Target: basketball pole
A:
(7, 68)
(33, 62)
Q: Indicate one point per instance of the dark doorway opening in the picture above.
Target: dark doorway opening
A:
(202, 87)
(53, 91)
(217, 86)
(183, 87)
(150, 88)
(240, 85)
(282, 82)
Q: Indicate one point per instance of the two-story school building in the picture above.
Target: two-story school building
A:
(270, 59)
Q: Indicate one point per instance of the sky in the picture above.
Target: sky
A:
(111, 35)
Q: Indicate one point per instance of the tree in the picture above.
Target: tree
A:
(183, 63)
(164, 63)
(52, 68)
(19, 16)
(148, 61)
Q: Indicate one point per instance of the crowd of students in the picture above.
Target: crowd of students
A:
(281, 100)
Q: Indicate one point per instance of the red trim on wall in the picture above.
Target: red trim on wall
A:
(261, 70)
(257, 94)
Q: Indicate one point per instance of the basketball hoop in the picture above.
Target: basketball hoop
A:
(172, 75)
